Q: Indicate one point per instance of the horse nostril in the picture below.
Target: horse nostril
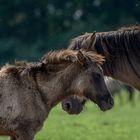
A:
(68, 106)
(111, 101)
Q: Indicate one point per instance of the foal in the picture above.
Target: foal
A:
(29, 91)
(121, 49)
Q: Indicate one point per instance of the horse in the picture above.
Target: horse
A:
(121, 49)
(28, 91)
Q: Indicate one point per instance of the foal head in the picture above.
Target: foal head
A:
(80, 74)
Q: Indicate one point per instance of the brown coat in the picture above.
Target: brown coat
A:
(121, 49)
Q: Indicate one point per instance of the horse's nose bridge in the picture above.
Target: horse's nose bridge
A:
(102, 89)
(109, 99)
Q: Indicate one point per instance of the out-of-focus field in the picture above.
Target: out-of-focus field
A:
(120, 123)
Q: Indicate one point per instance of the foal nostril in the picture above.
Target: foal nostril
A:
(68, 106)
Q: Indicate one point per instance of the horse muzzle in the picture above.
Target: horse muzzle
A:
(105, 103)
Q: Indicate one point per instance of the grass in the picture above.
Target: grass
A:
(120, 123)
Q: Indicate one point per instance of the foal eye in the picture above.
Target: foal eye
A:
(97, 76)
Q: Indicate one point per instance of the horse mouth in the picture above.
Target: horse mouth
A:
(104, 106)
(104, 102)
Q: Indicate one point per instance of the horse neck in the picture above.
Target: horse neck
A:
(122, 55)
(55, 87)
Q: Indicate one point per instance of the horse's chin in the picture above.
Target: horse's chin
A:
(104, 106)
(104, 102)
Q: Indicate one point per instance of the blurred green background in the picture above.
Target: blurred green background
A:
(29, 28)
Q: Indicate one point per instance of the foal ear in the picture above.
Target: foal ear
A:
(81, 58)
(90, 41)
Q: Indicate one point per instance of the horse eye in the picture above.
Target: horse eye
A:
(97, 76)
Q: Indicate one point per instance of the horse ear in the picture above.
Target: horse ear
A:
(93, 38)
(90, 41)
(81, 58)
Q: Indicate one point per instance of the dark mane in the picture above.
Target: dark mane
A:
(120, 41)
(121, 45)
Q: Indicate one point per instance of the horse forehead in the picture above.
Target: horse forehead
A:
(95, 68)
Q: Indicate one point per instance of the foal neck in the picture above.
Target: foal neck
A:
(57, 85)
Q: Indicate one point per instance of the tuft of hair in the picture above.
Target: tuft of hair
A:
(94, 57)
(71, 56)
(5, 70)
(59, 56)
